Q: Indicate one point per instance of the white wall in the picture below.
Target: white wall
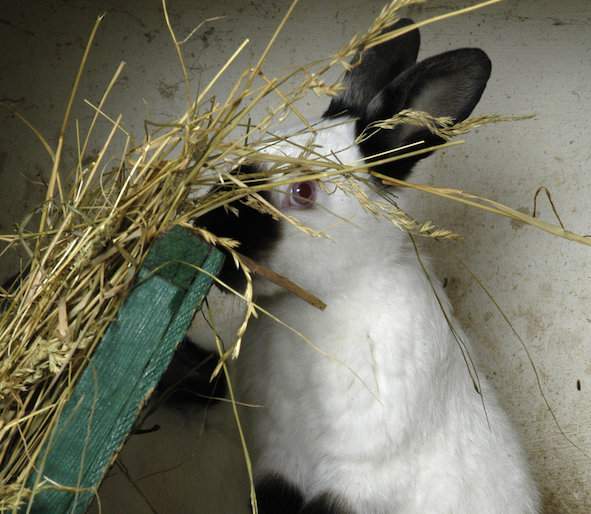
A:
(541, 53)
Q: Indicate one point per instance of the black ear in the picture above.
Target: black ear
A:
(448, 84)
(373, 70)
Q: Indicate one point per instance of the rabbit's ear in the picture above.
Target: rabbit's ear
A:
(448, 84)
(373, 70)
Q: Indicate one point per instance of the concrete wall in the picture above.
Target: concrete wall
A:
(541, 52)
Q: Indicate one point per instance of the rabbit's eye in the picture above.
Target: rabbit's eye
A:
(303, 194)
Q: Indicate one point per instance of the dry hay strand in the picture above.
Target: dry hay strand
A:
(99, 220)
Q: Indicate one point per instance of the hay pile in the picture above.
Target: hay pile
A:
(98, 222)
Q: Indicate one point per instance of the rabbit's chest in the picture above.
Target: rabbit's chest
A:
(335, 376)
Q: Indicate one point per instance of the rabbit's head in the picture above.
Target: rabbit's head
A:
(384, 80)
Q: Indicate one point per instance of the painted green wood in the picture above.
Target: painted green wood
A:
(125, 368)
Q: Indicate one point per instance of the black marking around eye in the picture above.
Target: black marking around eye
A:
(257, 232)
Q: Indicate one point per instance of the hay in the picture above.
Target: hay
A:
(98, 222)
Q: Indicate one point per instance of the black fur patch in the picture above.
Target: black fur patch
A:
(187, 379)
(325, 504)
(337, 108)
(380, 142)
(384, 140)
(386, 79)
(256, 231)
(448, 84)
(275, 495)
(375, 69)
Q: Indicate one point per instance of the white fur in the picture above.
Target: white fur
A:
(387, 418)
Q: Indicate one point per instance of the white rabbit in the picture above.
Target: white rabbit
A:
(386, 420)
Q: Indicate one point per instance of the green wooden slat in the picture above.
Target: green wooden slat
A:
(125, 368)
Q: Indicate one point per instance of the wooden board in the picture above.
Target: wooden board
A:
(124, 370)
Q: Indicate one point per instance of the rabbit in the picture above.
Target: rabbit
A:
(377, 413)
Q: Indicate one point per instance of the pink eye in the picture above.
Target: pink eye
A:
(303, 194)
